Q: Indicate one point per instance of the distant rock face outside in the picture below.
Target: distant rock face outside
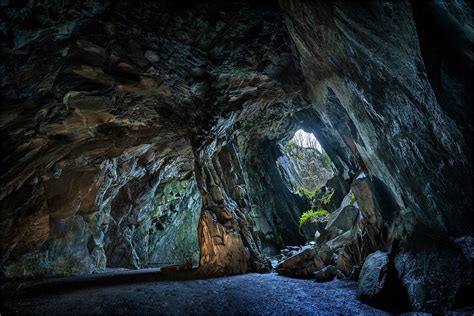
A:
(147, 134)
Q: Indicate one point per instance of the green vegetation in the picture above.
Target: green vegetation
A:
(290, 145)
(327, 197)
(318, 201)
(294, 150)
(313, 216)
(301, 190)
(352, 199)
(321, 198)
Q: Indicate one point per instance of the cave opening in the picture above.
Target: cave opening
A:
(327, 208)
(310, 166)
(305, 168)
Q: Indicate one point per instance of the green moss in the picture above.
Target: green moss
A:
(301, 190)
(352, 199)
(327, 197)
(180, 203)
(313, 216)
(323, 199)
(290, 145)
(170, 193)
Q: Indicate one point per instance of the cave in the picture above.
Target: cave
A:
(236, 157)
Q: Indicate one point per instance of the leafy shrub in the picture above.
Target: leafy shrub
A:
(313, 216)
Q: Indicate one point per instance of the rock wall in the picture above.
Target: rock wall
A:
(122, 122)
(364, 60)
(134, 134)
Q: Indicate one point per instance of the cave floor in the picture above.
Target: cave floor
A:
(248, 294)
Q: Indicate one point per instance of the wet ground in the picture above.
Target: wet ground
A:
(248, 294)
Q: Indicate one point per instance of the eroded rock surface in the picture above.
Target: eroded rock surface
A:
(143, 134)
(376, 124)
(110, 154)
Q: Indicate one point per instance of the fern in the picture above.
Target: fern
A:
(313, 216)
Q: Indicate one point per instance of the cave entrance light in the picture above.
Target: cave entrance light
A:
(306, 140)
(305, 164)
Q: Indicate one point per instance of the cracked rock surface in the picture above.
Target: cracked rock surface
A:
(139, 135)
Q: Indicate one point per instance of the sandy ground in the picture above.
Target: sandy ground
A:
(248, 294)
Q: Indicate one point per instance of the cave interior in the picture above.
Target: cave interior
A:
(325, 144)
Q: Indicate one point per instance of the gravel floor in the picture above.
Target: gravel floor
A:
(248, 294)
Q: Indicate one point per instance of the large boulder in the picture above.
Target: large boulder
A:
(372, 276)
(325, 274)
(307, 261)
(377, 226)
(311, 229)
(341, 221)
(338, 242)
(435, 278)
(341, 188)
(381, 285)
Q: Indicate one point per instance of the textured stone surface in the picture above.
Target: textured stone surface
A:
(132, 128)
(124, 126)
(325, 274)
(342, 220)
(433, 272)
(304, 263)
(372, 276)
(362, 63)
(304, 166)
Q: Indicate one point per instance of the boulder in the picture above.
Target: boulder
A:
(380, 283)
(310, 229)
(325, 274)
(444, 267)
(337, 243)
(304, 263)
(341, 220)
(372, 276)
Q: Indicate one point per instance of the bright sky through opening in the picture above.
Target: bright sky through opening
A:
(304, 139)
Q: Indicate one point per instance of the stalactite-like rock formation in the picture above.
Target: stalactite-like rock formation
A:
(140, 134)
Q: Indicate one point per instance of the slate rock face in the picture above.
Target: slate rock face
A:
(445, 45)
(120, 133)
(350, 55)
(134, 134)
(342, 220)
(433, 272)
